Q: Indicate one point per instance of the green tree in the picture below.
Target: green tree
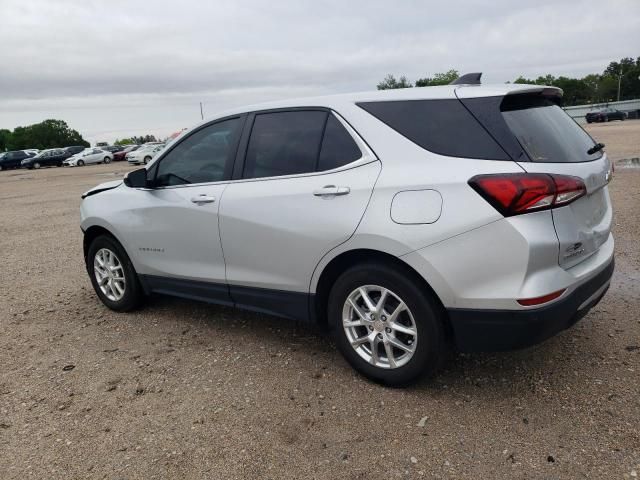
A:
(438, 79)
(5, 139)
(390, 82)
(46, 134)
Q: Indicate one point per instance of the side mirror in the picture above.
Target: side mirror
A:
(137, 179)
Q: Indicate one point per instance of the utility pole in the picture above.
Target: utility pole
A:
(619, 81)
(202, 114)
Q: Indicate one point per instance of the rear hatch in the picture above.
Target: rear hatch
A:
(542, 138)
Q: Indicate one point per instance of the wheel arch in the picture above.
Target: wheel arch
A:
(93, 232)
(345, 260)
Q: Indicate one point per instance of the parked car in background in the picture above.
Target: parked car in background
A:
(113, 148)
(52, 157)
(13, 159)
(89, 156)
(119, 156)
(144, 154)
(72, 150)
(605, 115)
(32, 151)
(408, 221)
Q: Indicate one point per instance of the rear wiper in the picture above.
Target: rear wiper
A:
(596, 148)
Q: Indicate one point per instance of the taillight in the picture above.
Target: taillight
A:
(518, 193)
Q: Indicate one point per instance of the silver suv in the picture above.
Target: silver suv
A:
(408, 221)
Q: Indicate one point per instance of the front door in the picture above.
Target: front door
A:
(174, 227)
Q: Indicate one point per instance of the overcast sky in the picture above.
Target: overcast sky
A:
(118, 68)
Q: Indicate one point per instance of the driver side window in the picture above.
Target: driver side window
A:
(201, 157)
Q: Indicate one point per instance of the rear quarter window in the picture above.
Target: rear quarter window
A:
(442, 126)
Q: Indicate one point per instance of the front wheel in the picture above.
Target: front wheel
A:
(112, 275)
(36, 165)
(80, 163)
(147, 160)
(386, 326)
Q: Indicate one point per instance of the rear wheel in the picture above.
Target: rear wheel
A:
(387, 328)
(107, 160)
(112, 275)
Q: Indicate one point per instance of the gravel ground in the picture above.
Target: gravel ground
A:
(188, 390)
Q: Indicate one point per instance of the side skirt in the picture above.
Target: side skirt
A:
(280, 303)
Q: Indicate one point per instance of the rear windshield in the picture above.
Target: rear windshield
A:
(545, 131)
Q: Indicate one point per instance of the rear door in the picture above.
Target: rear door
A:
(302, 183)
(555, 144)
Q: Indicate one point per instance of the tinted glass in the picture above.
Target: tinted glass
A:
(545, 131)
(284, 143)
(444, 127)
(201, 157)
(338, 147)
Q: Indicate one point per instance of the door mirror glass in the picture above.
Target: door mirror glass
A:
(137, 179)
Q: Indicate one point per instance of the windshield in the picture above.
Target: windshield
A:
(545, 131)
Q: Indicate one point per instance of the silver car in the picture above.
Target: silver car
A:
(407, 221)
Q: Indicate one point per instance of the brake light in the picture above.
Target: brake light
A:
(518, 193)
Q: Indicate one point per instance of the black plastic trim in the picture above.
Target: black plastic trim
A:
(280, 303)
(502, 330)
(98, 190)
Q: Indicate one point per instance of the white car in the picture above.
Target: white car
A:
(407, 220)
(89, 156)
(144, 154)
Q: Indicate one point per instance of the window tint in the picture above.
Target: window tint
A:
(284, 143)
(201, 157)
(545, 131)
(338, 147)
(444, 127)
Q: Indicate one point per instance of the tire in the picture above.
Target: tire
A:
(424, 317)
(123, 274)
(147, 160)
(80, 163)
(36, 165)
(107, 160)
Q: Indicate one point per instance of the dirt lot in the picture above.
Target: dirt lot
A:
(187, 390)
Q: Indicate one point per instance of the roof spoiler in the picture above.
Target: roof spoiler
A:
(468, 79)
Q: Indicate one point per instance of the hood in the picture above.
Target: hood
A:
(103, 187)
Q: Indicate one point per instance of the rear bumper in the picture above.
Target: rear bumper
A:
(500, 330)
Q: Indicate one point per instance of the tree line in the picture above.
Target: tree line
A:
(46, 134)
(592, 88)
(135, 140)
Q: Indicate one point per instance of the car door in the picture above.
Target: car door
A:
(95, 156)
(301, 185)
(174, 225)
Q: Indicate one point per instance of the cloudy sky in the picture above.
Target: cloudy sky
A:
(118, 68)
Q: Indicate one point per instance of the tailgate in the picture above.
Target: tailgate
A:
(584, 225)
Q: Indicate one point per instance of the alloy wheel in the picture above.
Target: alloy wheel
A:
(379, 326)
(109, 274)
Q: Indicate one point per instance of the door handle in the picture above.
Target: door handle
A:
(331, 191)
(202, 199)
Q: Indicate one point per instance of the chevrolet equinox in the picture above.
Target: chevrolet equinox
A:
(466, 216)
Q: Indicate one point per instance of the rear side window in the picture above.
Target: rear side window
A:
(443, 126)
(338, 147)
(545, 131)
(284, 143)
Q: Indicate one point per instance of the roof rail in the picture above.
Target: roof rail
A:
(468, 79)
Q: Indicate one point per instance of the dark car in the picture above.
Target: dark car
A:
(605, 115)
(74, 149)
(113, 148)
(119, 156)
(13, 159)
(47, 158)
